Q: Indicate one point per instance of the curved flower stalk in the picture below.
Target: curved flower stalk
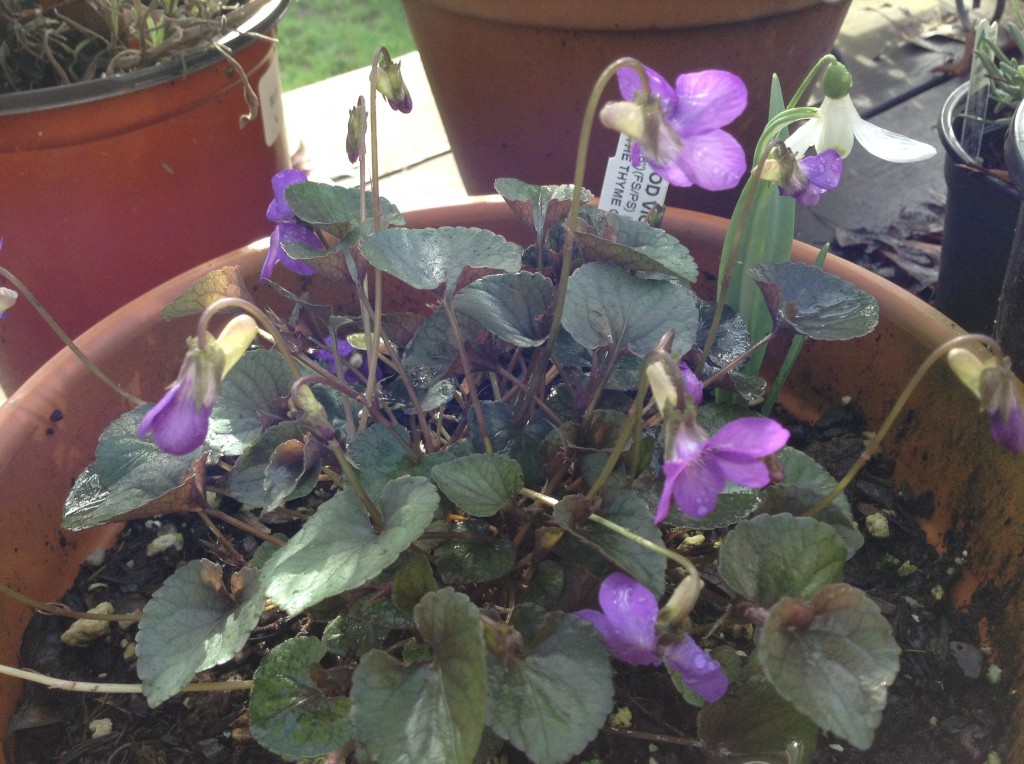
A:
(838, 125)
(179, 420)
(678, 128)
(287, 228)
(628, 622)
(697, 466)
(994, 384)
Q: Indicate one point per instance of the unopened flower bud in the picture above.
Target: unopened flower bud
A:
(355, 141)
(304, 407)
(837, 81)
(996, 386)
(391, 85)
(679, 605)
(7, 298)
(234, 339)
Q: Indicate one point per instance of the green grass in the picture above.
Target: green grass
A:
(321, 38)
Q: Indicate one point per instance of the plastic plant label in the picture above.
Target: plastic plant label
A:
(631, 191)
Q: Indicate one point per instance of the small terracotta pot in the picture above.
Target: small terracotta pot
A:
(511, 79)
(113, 186)
(944, 448)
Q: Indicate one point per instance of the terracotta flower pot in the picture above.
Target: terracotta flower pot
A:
(512, 79)
(115, 185)
(977, 487)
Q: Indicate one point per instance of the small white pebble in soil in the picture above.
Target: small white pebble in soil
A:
(101, 727)
(85, 630)
(846, 400)
(933, 722)
(906, 569)
(938, 592)
(836, 747)
(877, 525)
(994, 674)
(164, 543)
(621, 718)
(993, 758)
(694, 541)
(96, 558)
(129, 652)
(153, 524)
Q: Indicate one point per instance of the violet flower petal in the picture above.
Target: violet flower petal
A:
(178, 426)
(713, 160)
(1008, 430)
(627, 621)
(699, 671)
(279, 209)
(707, 100)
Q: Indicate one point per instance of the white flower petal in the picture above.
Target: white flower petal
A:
(804, 137)
(890, 146)
(7, 298)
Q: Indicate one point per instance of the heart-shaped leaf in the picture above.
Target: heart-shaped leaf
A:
(511, 306)
(379, 457)
(249, 397)
(333, 208)
(479, 484)
(607, 307)
(338, 548)
(427, 713)
(278, 466)
(132, 477)
(476, 559)
(817, 304)
(193, 623)
(223, 282)
(640, 247)
(552, 701)
(294, 710)
(627, 509)
(833, 658)
(773, 556)
(539, 207)
(425, 258)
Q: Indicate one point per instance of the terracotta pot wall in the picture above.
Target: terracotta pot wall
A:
(512, 81)
(943, 446)
(107, 198)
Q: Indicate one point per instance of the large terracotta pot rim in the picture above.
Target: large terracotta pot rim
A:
(173, 68)
(641, 15)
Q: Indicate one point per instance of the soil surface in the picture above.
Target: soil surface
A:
(943, 707)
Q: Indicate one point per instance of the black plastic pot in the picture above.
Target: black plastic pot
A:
(981, 213)
(1010, 316)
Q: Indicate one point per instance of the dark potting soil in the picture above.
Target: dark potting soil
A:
(943, 708)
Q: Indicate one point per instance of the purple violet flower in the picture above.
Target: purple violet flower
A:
(812, 176)
(698, 467)
(287, 229)
(694, 150)
(179, 420)
(995, 385)
(627, 622)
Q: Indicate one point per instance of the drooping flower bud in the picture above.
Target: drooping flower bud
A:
(355, 141)
(996, 386)
(391, 85)
(304, 408)
(837, 81)
(7, 299)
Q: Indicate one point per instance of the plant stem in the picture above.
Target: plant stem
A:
(635, 416)
(574, 213)
(875, 443)
(474, 399)
(50, 608)
(352, 481)
(649, 545)
(224, 303)
(63, 336)
(71, 685)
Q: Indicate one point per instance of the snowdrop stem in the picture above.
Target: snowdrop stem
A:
(812, 75)
(63, 336)
(876, 441)
(224, 303)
